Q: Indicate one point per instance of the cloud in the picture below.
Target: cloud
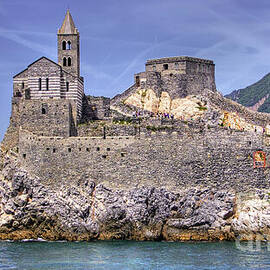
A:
(239, 47)
(139, 58)
(123, 42)
(94, 72)
(19, 37)
(132, 64)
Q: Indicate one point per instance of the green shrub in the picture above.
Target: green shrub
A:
(202, 108)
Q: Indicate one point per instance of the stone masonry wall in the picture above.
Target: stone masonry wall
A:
(214, 157)
(46, 117)
(107, 128)
(95, 108)
(179, 85)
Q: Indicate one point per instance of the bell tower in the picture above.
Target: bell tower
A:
(69, 46)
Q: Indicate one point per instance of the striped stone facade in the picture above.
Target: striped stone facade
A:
(44, 79)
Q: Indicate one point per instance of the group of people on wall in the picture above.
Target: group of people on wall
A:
(158, 115)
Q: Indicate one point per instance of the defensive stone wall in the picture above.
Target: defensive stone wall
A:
(213, 157)
(179, 85)
(182, 64)
(256, 118)
(95, 108)
(104, 129)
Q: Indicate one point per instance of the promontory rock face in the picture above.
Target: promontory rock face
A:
(29, 209)
(189, 178)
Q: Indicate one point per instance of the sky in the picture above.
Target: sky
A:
(118, 36)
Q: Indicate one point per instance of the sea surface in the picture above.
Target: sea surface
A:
(117, 255)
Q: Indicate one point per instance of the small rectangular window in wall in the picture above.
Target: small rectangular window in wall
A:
(47, 84)
(67, 86)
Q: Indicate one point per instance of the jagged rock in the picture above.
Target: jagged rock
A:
(29, 209)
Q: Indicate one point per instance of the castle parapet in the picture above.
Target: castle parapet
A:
(182, 64)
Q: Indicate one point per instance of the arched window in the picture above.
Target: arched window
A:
(39, 84)
(47, 84)
(64, 45)
(69, 61)
(69, 45)
(64, 61)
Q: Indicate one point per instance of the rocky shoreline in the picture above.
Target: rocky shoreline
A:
(31, 210)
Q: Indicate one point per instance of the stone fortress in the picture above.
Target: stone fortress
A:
(185, 132)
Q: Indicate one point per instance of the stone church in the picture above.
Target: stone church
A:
(48, 94)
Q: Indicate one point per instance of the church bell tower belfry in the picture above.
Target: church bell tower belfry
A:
(69, 46)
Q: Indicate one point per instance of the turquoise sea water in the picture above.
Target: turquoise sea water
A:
(118, 255)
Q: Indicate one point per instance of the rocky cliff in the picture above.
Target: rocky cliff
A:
(29, 209)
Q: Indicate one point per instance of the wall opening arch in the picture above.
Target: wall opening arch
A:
(64, 61)
(64, 45)
(69, 45)
(69, 62)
